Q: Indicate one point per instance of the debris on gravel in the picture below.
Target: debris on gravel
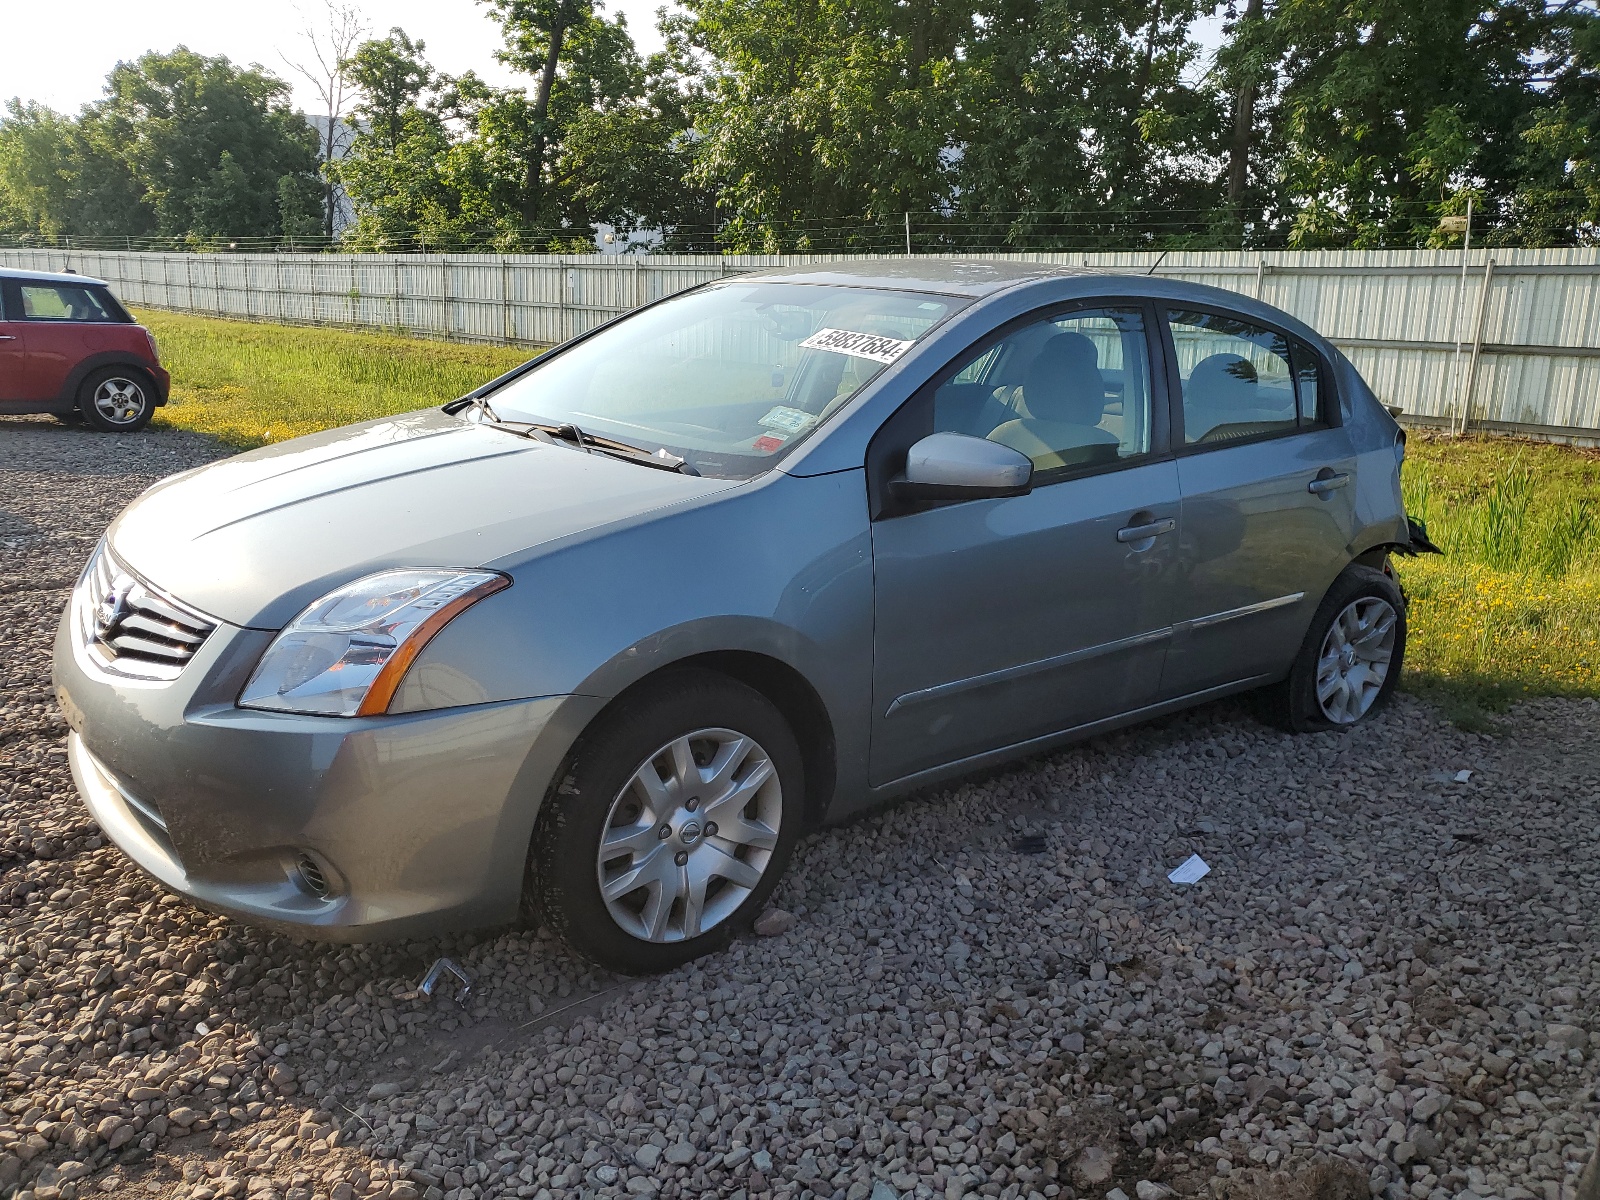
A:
(1389, 985)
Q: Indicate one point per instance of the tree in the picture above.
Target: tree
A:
(1390, 110)
(330, 45)
(171, 118)
(390, 78)
(1081, 114)
(1557, 197)
(36, 170)
(821, 113)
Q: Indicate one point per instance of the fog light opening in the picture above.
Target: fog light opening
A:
(312, 876)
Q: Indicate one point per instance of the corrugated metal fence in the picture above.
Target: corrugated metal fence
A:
(1528, 320)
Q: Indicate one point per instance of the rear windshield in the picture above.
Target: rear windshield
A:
(731, 377)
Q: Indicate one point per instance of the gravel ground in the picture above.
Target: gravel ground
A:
(1386, 983)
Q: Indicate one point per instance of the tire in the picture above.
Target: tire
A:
(117, 400)
(1343, 675)
(606, 787)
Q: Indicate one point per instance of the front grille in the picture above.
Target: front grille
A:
(130, 628)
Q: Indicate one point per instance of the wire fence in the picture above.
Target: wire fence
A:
(1511, 343)
(1096, 229)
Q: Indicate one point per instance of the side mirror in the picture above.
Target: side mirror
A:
(954, 466)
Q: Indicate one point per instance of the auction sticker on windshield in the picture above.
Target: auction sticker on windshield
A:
(859, 345)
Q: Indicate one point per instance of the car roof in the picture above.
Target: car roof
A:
(973, 277)
(49, 276)
(978, 278)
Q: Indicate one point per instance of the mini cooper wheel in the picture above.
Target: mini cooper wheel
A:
(1352, 656)
(671, 826)
(116, 400)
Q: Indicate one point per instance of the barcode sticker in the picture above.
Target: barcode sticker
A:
(858, 345)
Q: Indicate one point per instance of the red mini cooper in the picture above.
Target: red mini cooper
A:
(67, 347)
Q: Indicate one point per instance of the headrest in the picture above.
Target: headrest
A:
(1223, 381)
(1064, 383)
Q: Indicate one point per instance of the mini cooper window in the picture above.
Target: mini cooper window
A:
(730, 377)
(1070, 391)
(62, 302)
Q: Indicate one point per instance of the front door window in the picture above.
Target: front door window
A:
(1070, 392)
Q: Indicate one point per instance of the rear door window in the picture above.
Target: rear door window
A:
(1242, 381)
(62, 302)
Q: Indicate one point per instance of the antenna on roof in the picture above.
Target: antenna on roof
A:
(1158, 262)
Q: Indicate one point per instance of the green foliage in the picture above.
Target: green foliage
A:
(1512, 609)
(182, 146)
(769, 125)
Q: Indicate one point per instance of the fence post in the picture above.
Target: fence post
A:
(1477, 343)
(444, 293)
(1461, 300)
(507, 328)
(395, 306)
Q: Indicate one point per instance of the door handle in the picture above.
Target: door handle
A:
(1327, 482)
(8, 337)
(1138, 533)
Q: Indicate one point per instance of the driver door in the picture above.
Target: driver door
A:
(1002, 620)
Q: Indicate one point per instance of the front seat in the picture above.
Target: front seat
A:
(1064, 396)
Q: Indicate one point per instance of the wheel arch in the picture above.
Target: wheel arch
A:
(110, 358)
(788, 690)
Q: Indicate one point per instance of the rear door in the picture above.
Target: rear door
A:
(1267, 475)
(1002, 620)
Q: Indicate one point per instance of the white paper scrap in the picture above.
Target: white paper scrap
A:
(1191, 870)
(1463, 776)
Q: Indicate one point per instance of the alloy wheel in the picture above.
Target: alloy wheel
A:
(1355, 660)
(119, 400)
(689, 835)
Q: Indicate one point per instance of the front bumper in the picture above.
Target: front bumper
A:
(416, 824)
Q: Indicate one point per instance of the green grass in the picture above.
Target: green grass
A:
(247, 384)
(1513, 607)
(1512, 610)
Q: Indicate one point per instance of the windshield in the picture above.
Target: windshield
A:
(729, 377)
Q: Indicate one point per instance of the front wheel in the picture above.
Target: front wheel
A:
(116, 400)
(1352, 656)
(671, 826)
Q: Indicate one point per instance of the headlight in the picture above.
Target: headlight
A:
(346, 654)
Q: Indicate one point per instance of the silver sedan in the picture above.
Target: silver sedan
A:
(598, 642)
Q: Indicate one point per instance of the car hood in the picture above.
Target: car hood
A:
(255, 538)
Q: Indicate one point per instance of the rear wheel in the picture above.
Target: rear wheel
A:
(116, 400)
(672, 825)
(1352, 656)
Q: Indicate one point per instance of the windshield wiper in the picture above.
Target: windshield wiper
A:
(566, 431)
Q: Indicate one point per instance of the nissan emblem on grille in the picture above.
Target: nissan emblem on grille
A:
(113, 607)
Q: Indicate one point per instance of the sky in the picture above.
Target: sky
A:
(60, 53)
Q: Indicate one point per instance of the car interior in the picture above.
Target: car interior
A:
(1059, 391)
